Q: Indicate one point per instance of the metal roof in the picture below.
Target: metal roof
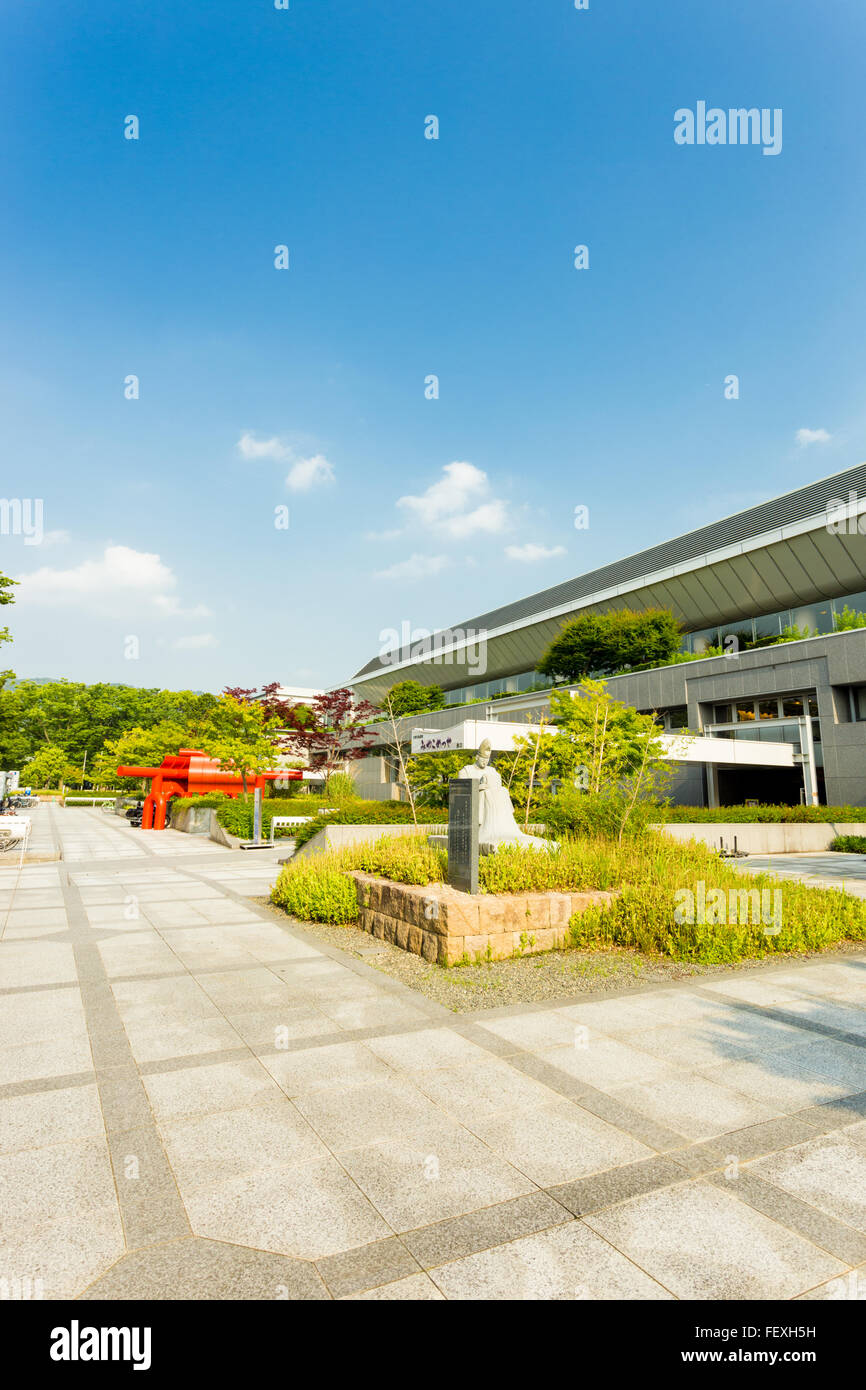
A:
(791, 507)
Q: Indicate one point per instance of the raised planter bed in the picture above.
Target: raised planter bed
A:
(450, 928)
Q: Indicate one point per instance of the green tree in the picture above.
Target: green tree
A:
(49, 767)
(601, 643)
(136, 748)
(607, 752)
(428, 775)
(411, 697)
(81, 718)
(242, 735)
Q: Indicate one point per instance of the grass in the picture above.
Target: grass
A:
(650, 875)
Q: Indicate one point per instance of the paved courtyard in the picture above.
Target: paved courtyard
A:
(199, 1102)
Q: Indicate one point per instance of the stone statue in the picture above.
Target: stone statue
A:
(497, 826)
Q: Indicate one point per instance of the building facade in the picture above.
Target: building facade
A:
(795, 564)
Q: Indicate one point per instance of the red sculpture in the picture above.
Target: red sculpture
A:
(191, 772)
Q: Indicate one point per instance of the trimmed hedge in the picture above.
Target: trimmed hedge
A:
(849, 844)
(761, 815)
(369, 813)
(235, 814)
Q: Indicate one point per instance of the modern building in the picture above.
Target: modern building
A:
(795, 562)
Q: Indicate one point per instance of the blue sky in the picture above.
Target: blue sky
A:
(261, 388)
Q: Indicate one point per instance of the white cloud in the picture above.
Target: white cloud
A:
(306, 474)
(382, 535)
(251, 448)
(530, 553)
(459, 504)
(196, 641)
(171, 606)
(807, 437)
(416, 567)
(121, 578)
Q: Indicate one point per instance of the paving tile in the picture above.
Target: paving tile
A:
(477, 1091)
(367, 1268)
(534, 1031)
(150, 1043)
(63, 1055)
(40, 1015)
(558, 1142)
(822, 1230)
(837, 1061)
(302, 1072)
(779, 1082)
(607, 1062)
(432, 1175)
(50, 1117)
(62, 1258)
(370, 1013)
(192, 1091)
(693, 1106)
(425, 1050)
(829, 1172)
(480, 1230)
(617, 1185)
(567, 1263)
(229, 1143)
(150, 1206)
(41, 1186)
(207, 1270)
(350, 1117)
(417, 1288)
(310, 1211)
(703, 1243)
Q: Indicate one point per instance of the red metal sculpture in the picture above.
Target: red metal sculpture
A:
(190, 772)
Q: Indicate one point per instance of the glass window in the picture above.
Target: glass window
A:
(722, 714)
(860, 701)
(817, 617)
(745, 710)
(736, 637)
(771, 624)
(703, 639)
(813, 706)
(678, 717)
(768, 709)
(792, 706)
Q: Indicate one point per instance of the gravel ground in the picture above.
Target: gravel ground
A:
(553, 975)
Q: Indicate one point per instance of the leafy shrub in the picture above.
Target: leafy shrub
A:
(340, 790)
(572, 813)
(316, 892)
(648, 873)
(849, 844)
(314, 888)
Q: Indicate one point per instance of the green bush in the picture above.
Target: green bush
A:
(316, 892)
(849, 844)
(235, 814)
(571, 813)
(647, 873)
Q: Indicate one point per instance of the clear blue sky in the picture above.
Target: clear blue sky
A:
(408, 257)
